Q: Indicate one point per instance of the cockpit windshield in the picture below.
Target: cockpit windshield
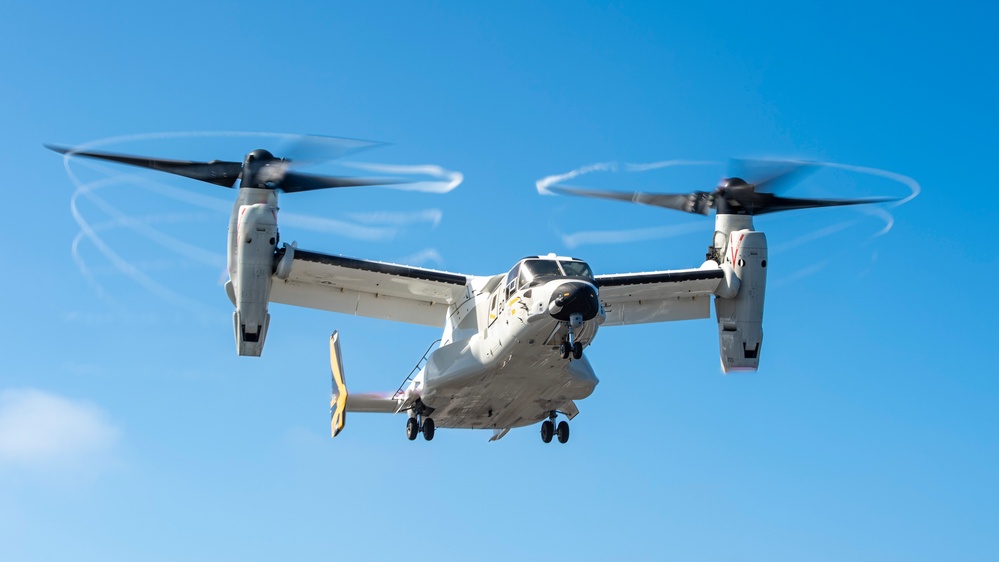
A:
(533, 269)
(540, 268)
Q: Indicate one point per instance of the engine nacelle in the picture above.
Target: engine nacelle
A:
(740, 318)
(253, 254)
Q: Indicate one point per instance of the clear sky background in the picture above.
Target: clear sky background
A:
(129, 428)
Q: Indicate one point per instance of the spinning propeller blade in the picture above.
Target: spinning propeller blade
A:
(259, 169)
(296, 181)
(695, 202)
(306, 150)
(733, 195)
(216, 171)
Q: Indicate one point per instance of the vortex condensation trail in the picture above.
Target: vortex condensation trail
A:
(424, 256)
(447, 180)
(873, 211)
(634, 235)
(391, 222)
(591, 237)
(120, 263)
(544, 183)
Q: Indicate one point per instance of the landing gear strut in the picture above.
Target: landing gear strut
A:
(570, 345)
(549, 430)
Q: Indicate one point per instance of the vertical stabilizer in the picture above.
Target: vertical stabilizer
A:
(338, 399)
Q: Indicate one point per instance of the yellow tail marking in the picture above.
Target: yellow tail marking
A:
(338, 400)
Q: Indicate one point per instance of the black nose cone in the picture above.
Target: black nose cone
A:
(574, 297)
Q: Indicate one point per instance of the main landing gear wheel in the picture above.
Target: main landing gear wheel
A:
(577, 353)
(547, 429)
(428, 429)
(562, 431)
(412, 428)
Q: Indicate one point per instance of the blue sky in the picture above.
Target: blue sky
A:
(129, 428)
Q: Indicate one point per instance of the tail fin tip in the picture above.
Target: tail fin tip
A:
(338, 398)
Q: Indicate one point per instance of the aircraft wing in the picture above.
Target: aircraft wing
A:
(658, 296)
(368, 288)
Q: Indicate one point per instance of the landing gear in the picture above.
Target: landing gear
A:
(570, 345)
(548, 429)
(428, 429)
(420, 422)
(562, 431)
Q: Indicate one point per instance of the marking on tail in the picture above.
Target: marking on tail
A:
(338, 399)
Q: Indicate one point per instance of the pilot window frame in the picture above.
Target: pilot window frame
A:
(511, 281)
(584, 272)
(533, 271)
(494, 305)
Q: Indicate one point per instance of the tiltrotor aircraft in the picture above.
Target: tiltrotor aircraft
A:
(511, 352)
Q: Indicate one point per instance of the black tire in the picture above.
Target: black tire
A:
(564, 350)
(547, 429)
(428, 429)
(577, 350)
(412, 429)
(563, 431)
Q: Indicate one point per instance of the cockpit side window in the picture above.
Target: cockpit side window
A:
(511, 281)
(577, 269)
(494, 306)
(524, 279)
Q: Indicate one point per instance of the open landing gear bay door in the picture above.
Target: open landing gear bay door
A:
(366, 288)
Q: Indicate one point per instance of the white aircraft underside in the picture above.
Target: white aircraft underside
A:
(489, 384)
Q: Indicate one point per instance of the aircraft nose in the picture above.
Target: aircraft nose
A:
(574, 297)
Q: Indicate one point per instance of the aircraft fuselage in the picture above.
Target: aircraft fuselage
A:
(509, 372)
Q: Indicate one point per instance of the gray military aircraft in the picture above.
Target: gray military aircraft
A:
(511, 351)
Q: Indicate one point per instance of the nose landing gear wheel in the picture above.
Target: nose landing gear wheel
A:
(412, 428)
(428, 429)
(577, 351)
(564, 350)
(547, 429)
(563, 430)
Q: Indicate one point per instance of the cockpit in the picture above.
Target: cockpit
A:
(536, 270)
